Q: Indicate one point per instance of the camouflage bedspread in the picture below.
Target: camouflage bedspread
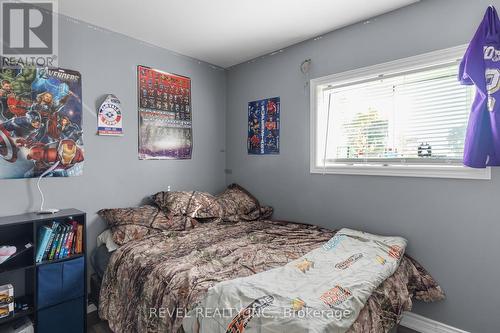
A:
(151, 284)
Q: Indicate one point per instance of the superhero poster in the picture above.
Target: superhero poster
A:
(264, 127)
(165, 126)
(40, 123)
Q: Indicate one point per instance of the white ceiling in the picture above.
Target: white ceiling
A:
(225, 32)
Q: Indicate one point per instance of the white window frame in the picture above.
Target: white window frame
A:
(434, 170)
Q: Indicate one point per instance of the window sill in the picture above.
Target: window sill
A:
(427, 171)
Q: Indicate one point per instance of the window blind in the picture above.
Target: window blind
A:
(414, 117)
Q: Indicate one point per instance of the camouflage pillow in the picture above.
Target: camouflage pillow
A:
(123, 234)
(239, 204)
(234, 204)
(422, 285)
(194, 204)
(138, 222)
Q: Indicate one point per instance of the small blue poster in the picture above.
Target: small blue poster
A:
(264, 127)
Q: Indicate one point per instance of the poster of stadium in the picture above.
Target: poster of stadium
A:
(264, 127)
(165, 130)
(40, 122)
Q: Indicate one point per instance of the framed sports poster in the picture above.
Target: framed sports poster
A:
(264, 127)
(40, 122)
(109, 117)
(165, 122)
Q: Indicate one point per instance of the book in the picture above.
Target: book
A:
(61, 243)
(43, 238)
(68, 240)
(74, 226)
(51, 240)
(57, 239)
(64, 249)
(6, 300)
(64, 235)
(73, 246)
(79, 239)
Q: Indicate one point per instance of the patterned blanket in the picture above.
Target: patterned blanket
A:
(150, 285)
(323, 291)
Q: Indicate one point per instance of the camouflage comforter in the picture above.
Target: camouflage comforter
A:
(151, 284)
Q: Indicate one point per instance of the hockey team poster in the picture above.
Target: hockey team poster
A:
(40, 122)
(264, 126)
(165, 130)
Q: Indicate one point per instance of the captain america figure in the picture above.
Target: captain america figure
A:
(24, 127)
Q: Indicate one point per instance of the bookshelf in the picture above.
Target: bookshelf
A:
(55, 290)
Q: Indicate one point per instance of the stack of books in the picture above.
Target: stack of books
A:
(59, 240)
(6, 300)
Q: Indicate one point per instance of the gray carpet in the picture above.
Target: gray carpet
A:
(96, 325)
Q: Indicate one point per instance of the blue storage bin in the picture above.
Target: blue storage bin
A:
(49, 285)
(66, 317)
(73, 278)
(60, 282)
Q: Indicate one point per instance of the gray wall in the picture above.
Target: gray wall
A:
(458, 228)
(113, 176)
(452, 225)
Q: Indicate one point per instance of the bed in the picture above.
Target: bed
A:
(172, 252)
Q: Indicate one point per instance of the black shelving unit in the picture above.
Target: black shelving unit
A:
(49, 314)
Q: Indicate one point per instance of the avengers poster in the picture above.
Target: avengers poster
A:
(264, 127)
(165, 130)
(40, 122)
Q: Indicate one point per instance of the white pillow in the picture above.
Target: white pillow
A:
(106, 238)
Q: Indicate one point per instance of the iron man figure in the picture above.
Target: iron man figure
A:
(66, 153)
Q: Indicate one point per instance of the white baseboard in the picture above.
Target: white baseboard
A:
(410, 320)
(425, 325)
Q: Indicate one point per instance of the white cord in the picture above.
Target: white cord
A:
(46, 172)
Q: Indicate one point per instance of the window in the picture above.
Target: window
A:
(404, 118)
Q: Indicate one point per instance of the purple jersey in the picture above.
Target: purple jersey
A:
(481, 67)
